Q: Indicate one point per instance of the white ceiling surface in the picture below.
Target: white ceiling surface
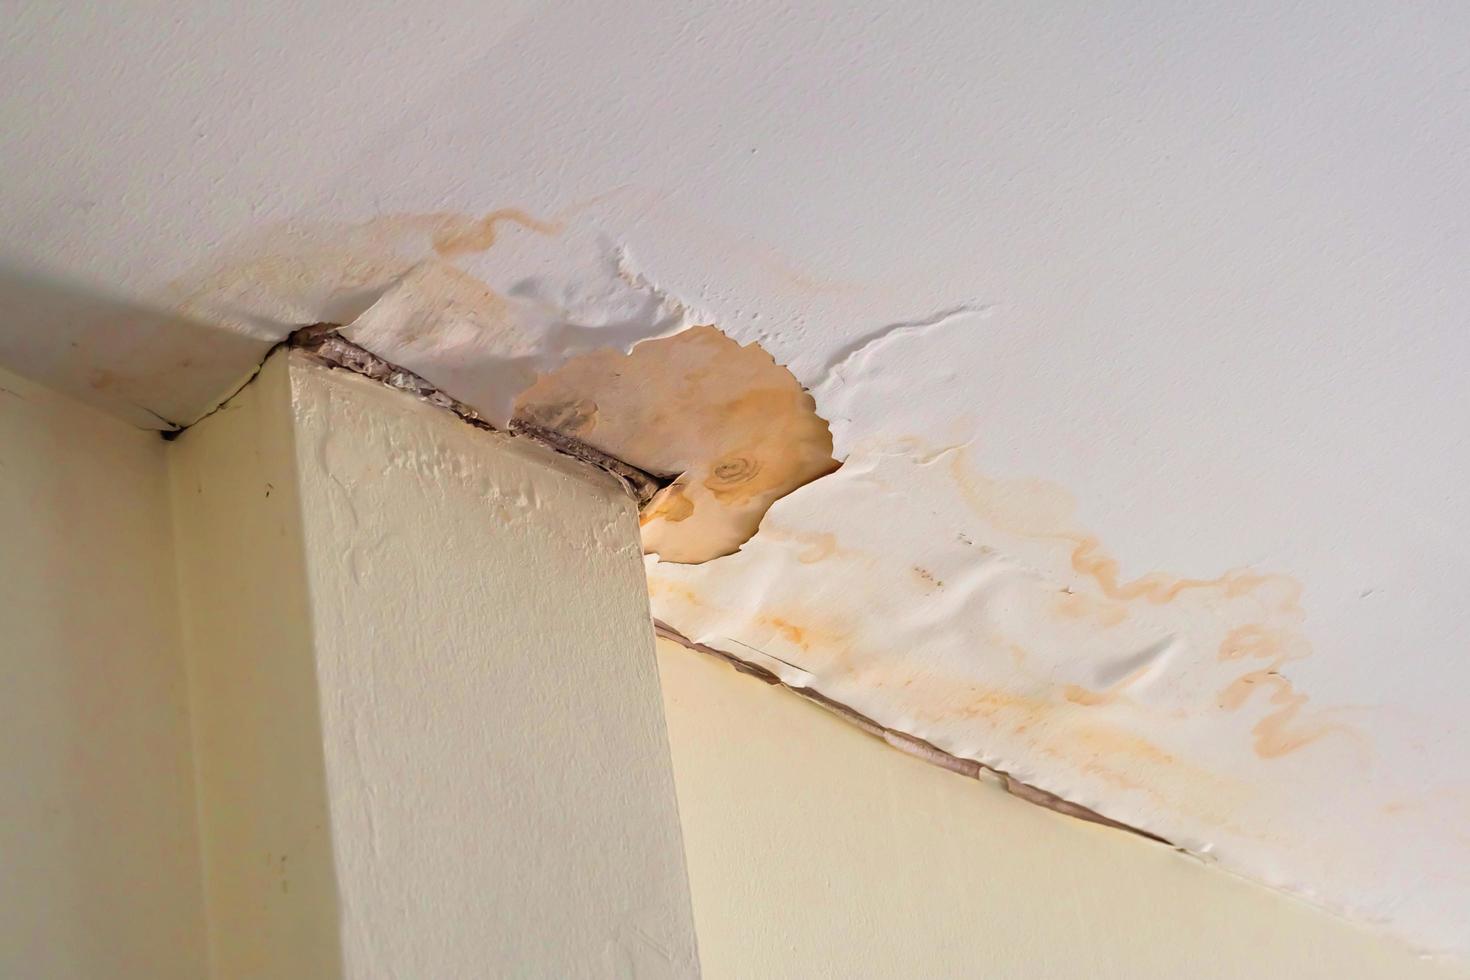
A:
(1207, 271)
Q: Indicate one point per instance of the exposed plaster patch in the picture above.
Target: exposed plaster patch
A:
(733, 427)
(324, 344)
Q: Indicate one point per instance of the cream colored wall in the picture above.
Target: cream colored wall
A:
(247, 626)
(428, 626)
(99, 862)
(429, 726)
(817, 851)
(502, 800)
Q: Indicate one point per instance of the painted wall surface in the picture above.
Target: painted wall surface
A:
(99, 860)
(817, 851)
(1141, 329)
(270, 884)
(501, 796)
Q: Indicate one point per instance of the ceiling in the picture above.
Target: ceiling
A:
(1142, 331)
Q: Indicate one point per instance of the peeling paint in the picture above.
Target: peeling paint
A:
(909, 744)
(966, 609)
(1004, 633)
(734, 429)
(967, 618)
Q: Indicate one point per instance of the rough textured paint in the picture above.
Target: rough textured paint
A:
(1106, 305)
(735, 430)
(384, 698)
(449, 659)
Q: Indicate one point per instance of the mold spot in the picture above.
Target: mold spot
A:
(735, 429)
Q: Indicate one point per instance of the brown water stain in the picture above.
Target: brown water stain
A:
(736, 427)
(1102, 612)
(814, 546)
(458, 235)
(1155, 587)
(1281, 731)
(1255, 615)
(305, 272)
(660, 588)
(807, 633)
(672, 506)
(1107, 752)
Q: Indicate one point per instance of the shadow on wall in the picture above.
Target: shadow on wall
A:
(255, 697)
(98, 853)
(151, 367)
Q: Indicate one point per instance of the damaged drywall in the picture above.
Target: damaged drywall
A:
(734, 429)
(1146, 376)
(906, 743)
(705, 434)
(325, 345)
(970, 616)
(640, 410)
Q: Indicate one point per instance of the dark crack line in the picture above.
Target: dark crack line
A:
(324, 345)
(910, 744)
(169, 435)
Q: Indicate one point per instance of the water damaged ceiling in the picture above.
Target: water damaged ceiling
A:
(1093, 381)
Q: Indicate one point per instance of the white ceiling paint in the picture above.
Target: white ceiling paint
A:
(1206, 271)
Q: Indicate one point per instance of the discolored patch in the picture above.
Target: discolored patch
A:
(733, 429)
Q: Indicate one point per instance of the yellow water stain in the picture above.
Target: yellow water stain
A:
(670, 504)
(1251, 640)
(1155, 587)
(736, 427)
(1280, 731)
(1084, 696)
(458, 235)
(807, 631)
(1254, 615)
(1107, 752)
(302, 272)
(1075, 605)
(814, 546)
(1259, 641)
(790, 631)
(677, 591)
(1041, 511)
